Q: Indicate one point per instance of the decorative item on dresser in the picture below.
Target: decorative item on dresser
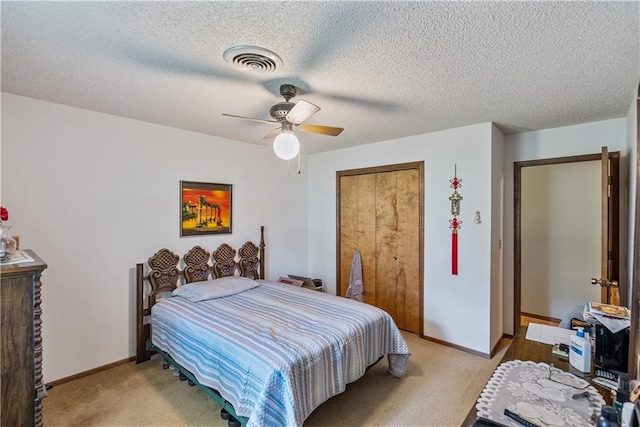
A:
(21, 330)
(8, 245)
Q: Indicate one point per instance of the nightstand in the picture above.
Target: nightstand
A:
(314, 288)
(304, 282)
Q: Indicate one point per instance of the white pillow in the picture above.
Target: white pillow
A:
(216, 288)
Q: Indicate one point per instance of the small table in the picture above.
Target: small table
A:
(524, 349)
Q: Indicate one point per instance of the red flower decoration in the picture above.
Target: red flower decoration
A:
(4, 214)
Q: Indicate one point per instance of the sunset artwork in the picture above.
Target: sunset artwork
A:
(205, 208)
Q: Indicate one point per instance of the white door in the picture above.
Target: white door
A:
(560, 236)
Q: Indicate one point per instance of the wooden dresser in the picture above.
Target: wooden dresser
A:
(21, 331)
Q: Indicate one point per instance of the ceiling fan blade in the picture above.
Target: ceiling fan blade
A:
(335, 30)
(301, 112)
(160, 60)
(324, 130)
(273, 133)
(250, 118)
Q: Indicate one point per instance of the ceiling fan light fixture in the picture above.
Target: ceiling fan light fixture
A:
(286, 145)
(253, 58)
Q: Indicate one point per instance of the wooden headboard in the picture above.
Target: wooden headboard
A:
(165, 275)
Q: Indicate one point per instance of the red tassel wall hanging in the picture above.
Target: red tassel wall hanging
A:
(455, 224)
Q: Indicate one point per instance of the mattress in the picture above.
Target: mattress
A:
(276, 352)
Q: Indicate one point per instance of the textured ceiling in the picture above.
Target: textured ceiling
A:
(381, 70)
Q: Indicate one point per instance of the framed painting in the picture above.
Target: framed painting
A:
(205, 208)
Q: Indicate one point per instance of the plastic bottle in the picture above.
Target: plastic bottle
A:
(580, 351)
(608, 417)
(622, 397)
(627, 414)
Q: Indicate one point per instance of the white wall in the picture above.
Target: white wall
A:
(94, 194)
(456, 308)
(550, 143)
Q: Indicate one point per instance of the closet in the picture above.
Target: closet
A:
(380, 214)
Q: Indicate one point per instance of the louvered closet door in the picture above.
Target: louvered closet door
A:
(380, 217)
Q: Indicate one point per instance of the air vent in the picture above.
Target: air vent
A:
(253, 58)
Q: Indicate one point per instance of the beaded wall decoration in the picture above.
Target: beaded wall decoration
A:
(455, 224)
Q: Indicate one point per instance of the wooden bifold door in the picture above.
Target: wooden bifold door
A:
(380, 213)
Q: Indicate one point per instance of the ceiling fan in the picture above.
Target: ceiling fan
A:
(289, 114)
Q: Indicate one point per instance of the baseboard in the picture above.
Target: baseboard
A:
(494, 350)
(537, 316)
(89, 372)
(469, 350)
(457, 347)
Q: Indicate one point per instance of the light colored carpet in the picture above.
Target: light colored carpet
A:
(440, 386)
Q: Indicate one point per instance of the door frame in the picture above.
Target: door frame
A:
(634, 329)
(517, 237)
(419, 166)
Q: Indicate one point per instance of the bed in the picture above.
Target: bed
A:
(268, 353)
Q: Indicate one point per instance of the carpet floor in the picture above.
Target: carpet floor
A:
(440, 387)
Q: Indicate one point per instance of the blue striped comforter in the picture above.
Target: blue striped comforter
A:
(277, 352)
